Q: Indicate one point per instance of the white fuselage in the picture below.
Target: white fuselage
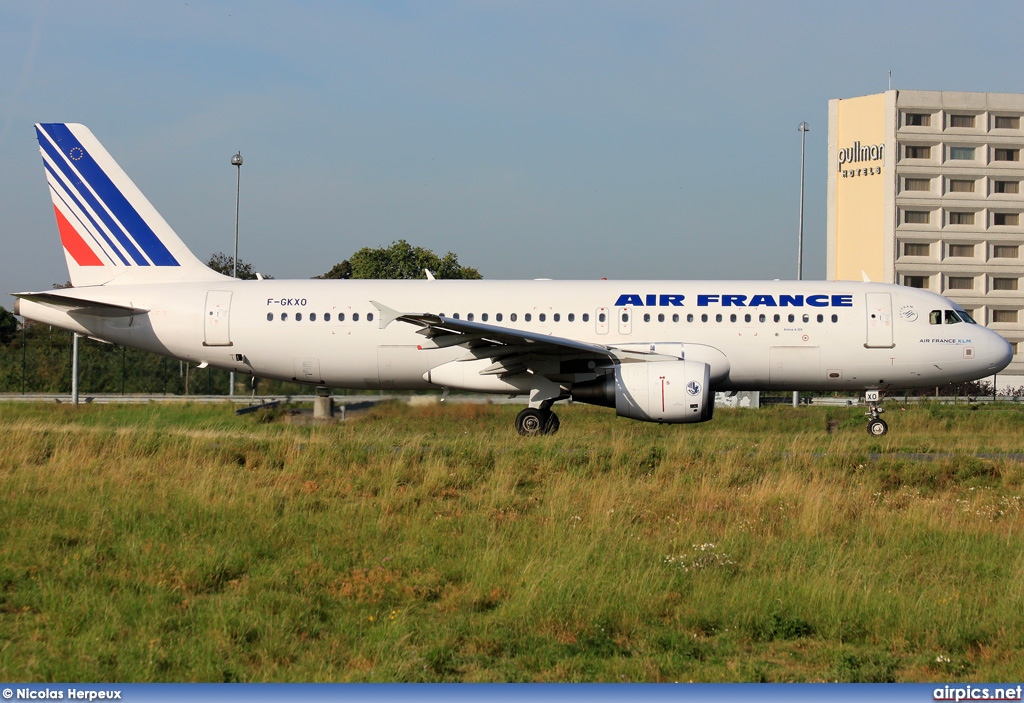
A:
(755, 335)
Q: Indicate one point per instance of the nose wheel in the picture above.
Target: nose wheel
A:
(532, 422)
(876, 425)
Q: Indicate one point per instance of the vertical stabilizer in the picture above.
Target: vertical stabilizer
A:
(111, 233)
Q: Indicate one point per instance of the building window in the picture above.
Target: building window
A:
(1007, 155)
(1004, 284)
(1006, 122)
(915, 281)
(917, 249)
(1003, 219)
(961, 218)
(1006, 186)
(960, 283)
(917, 119)
(919, 184)
(1004, 316)
(961, 250)
(916, 217)
(961, 120)
(917, 152)
(1004, 251)
(961, 153)
(961, 186)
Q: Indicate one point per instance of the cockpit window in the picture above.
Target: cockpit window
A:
(952, 318)
(935, 317)
(965, 316)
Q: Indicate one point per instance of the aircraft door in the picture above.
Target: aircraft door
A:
(216, 331)
(625, 316)
(601, 320)
(879, 319)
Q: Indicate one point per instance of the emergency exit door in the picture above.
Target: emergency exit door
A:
(879, 312)
(216, 329)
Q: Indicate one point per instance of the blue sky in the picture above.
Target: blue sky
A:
(534, 139)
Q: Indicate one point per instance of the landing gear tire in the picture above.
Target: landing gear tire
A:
(877, 427)
(532, 422)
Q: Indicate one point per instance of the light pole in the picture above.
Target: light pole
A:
(803, 129)
(236, 161)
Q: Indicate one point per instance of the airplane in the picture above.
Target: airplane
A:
(655, 351)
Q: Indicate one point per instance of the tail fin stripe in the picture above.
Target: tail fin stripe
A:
(131, 222)
(81, 252)
(82, 229)
(77, 206)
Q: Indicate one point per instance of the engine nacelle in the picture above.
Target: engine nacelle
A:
(656, 391)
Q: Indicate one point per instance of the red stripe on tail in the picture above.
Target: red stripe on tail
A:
(74, 244)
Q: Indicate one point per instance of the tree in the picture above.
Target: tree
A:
(8, 327)
(342, 270)
(400, 260)
(222, 263)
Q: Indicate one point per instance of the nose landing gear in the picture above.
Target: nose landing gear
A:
(876, 425)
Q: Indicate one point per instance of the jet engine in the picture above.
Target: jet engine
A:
(656, 391)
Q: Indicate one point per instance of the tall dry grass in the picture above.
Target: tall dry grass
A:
(435, 544)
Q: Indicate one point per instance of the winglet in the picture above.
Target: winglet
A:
(387, 315)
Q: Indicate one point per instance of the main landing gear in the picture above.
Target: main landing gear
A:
(536, 421)
(876, 425)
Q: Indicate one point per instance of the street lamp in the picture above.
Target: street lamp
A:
(804, 128)
(236, 161)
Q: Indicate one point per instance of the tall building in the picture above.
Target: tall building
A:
(924, 190)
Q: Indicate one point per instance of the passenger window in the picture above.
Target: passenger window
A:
(369, 317)
(454, 315)
(625, 317)
(469, 316)
(513, 317)
(284, 316)
(718, 317)
(270, 317)
(951, 317)
(821, 318)
(647, 317)
(355, 317)
(312, 317)
(806, 318)
(327, 317)
(835, 318)
(586, 317)
(792, 318)
(689, 317)
(746, 318)
(777, 318)
(542, 317)
(341, 317)
(558, 317)
(483, 317)
(762, 318)
(572, 317)
(661, 317)
(704, 317)
(601, 317)
(497, 316)
(935, 317)
(732, 318)
(298, 317)
(675, 317)
(527, 317)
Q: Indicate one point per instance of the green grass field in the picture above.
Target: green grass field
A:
(180, 543)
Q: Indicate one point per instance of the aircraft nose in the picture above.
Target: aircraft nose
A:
(1000, 353)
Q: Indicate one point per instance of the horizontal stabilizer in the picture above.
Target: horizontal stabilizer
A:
(81, 306)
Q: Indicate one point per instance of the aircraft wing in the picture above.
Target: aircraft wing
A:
(81, 306)
(512, 350)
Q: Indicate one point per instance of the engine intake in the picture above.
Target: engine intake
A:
(656, 391)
